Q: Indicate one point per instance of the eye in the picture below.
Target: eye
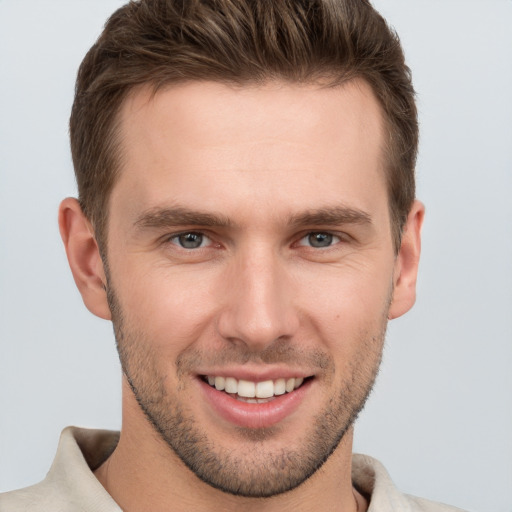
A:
(319, 239)
(191, 240)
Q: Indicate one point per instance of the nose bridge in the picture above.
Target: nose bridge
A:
(259, 308)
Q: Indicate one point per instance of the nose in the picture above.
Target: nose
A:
(258, 307)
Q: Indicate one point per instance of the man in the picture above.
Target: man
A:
(247, 220)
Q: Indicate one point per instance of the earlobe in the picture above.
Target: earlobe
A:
(84, 257)
(406, 264)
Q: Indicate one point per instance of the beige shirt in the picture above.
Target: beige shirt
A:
(71, 486)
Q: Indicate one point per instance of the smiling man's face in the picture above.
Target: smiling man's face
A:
(251, 274)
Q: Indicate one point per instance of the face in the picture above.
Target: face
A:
(251, 271)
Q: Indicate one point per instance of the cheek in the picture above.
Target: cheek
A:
(171, 306)
(348, 297)
(347, 313)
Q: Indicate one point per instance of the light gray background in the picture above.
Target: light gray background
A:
(441, 415)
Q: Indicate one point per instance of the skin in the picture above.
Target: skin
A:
(273, 164)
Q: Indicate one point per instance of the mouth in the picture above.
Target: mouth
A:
(254, 392)
(256, 404)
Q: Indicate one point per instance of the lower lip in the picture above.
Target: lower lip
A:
(255, 416)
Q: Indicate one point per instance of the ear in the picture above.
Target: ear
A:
(406, 263)
(84, 257)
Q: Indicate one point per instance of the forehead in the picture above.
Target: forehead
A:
(282, 143)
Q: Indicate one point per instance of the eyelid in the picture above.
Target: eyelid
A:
(173, 237)
(335, 234)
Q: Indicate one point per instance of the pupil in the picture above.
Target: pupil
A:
(320, 239)
(191, 240)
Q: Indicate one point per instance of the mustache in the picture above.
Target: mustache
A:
(284, 353)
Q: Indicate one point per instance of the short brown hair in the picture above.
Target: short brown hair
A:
(160, 42)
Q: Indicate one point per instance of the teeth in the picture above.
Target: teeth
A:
(220, 383)
(231, 385)
(280, 387)
(246, 389)
(265, 389)
(254, 400)
(251, 391)
(298, 382)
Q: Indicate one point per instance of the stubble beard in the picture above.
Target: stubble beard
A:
(257, 472)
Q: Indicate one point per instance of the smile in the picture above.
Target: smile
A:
(254, 392)
(252, 403)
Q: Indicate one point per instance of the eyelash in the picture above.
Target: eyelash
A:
(174, 239)
(333, 237)
(330, 236)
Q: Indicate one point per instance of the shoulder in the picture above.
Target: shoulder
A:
(423, 505)
(70, 485)
(36, 498)
(371, 478)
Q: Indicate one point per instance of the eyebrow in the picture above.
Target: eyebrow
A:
(337, 215)
(158, 217)
(161, 217)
